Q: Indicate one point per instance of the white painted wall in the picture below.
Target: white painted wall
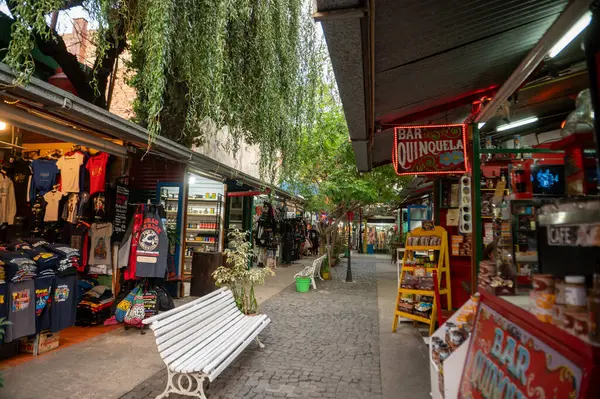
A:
(246, 160)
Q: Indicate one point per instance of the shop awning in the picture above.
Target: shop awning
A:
(41, 106)
(426, 61)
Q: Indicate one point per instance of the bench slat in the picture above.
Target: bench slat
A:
(178, 309)
(223, 338)
(191, 321)
(174, 320)
(226, 362)
(199, 345)
(201, 336)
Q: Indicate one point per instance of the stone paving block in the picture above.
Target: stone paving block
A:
(317, 345)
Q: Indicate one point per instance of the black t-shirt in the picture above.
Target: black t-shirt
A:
(43, 303)
(64, 303)
(22, 172)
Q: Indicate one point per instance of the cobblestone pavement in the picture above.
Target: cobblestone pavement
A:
(323, 344)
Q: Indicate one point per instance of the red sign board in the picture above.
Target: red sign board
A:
(430, 149)
(512, 357)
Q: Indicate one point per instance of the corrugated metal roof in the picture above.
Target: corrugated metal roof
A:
(441, 78)
(409, 30)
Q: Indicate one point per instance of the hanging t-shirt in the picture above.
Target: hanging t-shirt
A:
(153, 247)
(8, 205)
(64, 303)
(37, 214)
(96, 165)
(20, 173)
(52, 199)
(70, 167)
(84, 180)
(100, 234)
(43, 177)
(21, 310)
(43, 302)
(70, 208)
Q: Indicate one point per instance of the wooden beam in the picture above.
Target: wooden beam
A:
(344, 13)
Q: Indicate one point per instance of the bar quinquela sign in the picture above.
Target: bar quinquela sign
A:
(507, 361)
(430, 149)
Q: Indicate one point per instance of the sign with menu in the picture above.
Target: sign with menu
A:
(430, 149)
(120, 219)
(509, 359)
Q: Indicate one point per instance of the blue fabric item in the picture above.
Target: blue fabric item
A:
(43, 177)
(44, 288)
(63, 311)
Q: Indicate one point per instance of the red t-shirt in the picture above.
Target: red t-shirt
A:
(96, 165)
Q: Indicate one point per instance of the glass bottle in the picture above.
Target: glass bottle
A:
(594, 307)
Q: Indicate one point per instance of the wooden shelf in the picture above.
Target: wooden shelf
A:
(199, 242)
(423, 248)
(202, 200)
(202, 214)
(412, 268)
(420, 292)
(413, 317)
(202, 230)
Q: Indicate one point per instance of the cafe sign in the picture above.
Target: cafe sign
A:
(430, 149)
(509, 359)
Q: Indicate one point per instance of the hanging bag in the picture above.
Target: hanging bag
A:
(150, 303)
(137, 312)
(124, 306)
(164, 299)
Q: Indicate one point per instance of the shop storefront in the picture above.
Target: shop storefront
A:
(91, 219)
(514, 204)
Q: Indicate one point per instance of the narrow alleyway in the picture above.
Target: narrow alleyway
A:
(324, 344)
(335, 342)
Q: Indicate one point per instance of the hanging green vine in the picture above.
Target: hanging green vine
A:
(30, 21)
(251, 66)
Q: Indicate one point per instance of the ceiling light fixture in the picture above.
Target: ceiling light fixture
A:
(2, 125)
(512, 125)
(480, 125)
(571, 34)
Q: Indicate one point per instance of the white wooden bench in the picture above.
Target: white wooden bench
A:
(313, 270)
(198, 340)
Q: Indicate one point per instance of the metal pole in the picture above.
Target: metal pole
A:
(349, 269)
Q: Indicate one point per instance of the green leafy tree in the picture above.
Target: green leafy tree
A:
(325, 170)
(249, 65)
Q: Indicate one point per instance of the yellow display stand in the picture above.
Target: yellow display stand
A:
(443, 267)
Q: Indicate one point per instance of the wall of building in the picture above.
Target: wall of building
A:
(80, 43)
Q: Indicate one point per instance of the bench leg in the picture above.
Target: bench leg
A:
(191, 384)
(260, 344)
(314, 285)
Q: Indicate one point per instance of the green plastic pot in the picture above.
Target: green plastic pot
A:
(302, 284)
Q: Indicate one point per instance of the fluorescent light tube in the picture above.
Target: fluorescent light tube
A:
(571, 34)
(480, 125)
(512, 125)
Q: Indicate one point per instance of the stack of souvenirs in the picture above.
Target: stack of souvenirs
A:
(40, 287)
(95, 306)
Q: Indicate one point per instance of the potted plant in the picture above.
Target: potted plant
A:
(325, 269)
(3, 324)
(237, 276)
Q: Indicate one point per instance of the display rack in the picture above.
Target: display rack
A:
(443, 267)
(203, 226)
(453, 366)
